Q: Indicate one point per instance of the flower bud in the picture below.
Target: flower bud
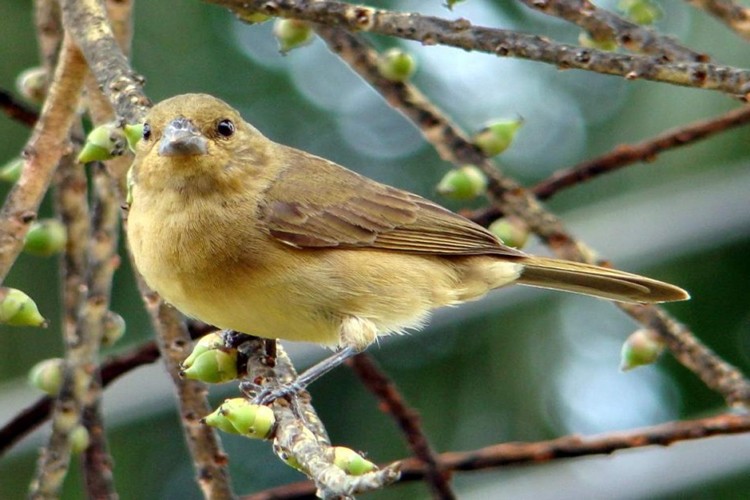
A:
(213, 367)
(249, 420)
(463, 183)
(451, 3)
(585, 40)
(133, 134)
(351, 462)
(79, 439)
(114, 328)
(218, 419)
(497, 136)
(11, 171)
(643, 347)
(47, 375)
(511, 230)
(292, 33)
(103, 143)
(396, 65)
(32, 84)
(208, 342)
(17, 309)
(45, 238)
(640, 11)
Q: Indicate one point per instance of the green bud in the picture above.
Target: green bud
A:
(585, 40)
(642, 347)
(133, 134)
(103, 143)
(396, 65)
(45, 238)
(213, 367)
(253, 17)
(47, 375)
(351, 462)
(206, 343)
(463, 183)
(114, 328)
(640, 11)
(250, 420)
(292, 33)
(219, 420)
(11, 171)
(511, 230)
(17, 309)
(79, 439)
(497, 136)
(451, 3)
(32, 84)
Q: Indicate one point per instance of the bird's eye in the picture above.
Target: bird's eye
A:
(225, 128)
(146, 131)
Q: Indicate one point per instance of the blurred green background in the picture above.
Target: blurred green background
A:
(522, 365)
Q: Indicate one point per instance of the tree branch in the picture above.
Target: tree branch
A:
(603, 25)
(503, 43)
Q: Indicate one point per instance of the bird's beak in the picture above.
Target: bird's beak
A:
(182, 138)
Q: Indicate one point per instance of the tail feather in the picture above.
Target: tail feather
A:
(597, 281)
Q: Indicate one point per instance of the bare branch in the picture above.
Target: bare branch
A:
(47, 144)
(462, 34)
(604, 25)
(407, 419)
(505, 454)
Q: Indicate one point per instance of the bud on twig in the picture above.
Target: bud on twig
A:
(642, 347)
(11, 171)
(463, 183)
(512, 230)
(497, 136)
(103, 143)
(31, 83)
(18, 309)
(396, 65)
(47, 375)
(292, 33)
(45, 238)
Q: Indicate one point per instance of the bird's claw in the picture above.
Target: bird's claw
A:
(267, 395)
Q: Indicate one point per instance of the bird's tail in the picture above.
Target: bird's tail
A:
(597, 281)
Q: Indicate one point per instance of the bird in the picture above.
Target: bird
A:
(250, 235)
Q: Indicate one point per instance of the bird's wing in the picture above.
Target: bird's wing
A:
(316, 203)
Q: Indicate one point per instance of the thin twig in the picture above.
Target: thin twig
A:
(503, 43)
(501, 455)
(48, 142)
(38, 412)
(646, 151)
(407, 419)
(604, 25)
(17, 110)
(734, 15)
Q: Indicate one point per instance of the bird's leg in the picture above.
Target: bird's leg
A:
(355, 334)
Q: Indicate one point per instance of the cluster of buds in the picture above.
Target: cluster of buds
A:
(211, 361)
(240, 416)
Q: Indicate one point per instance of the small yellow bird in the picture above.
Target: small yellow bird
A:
(254, 236)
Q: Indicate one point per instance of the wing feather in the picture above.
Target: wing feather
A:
(318, 204)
